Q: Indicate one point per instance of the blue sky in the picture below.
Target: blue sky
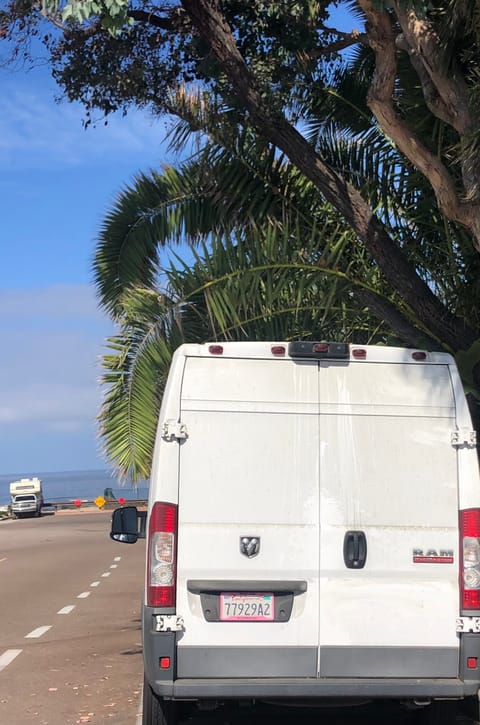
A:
(56, 182)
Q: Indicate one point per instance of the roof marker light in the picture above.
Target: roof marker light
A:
(278, 350)
(418, 355)
(215, 349)
(320, 347)
(359, 353)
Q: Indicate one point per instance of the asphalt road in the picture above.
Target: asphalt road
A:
(70, 637)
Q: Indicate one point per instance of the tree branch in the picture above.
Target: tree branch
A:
(424, 46)
(176, 20)
(387, 312)
(380, 101)
(397, 270)
(446, 96)
(345, 40)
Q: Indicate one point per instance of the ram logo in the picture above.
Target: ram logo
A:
(433, 556)
(250, 545)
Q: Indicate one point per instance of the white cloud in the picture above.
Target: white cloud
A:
(36, 132)
(57, 405)
(57, 302)
(52, 339)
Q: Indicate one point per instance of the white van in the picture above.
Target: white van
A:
(313, 530)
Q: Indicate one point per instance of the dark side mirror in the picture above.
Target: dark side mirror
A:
(128, 524)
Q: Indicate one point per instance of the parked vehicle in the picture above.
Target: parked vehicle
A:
(26, 497)
(313, 531)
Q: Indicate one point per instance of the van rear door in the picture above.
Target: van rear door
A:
(248, 518)
(388, 490)
(320, 464)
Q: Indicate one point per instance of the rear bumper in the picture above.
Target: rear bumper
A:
(234, 673)
(315, 688)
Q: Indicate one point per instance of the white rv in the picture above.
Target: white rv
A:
(26, 497)
(313, 530)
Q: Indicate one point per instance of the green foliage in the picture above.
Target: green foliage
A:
(109, 60)
(467, 361)
(134, 376)
(113, 13)
(420, 7)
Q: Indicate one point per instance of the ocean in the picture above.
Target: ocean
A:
(64, 486)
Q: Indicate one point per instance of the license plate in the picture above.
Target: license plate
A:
(247, 607)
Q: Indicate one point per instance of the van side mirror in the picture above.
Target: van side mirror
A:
(128, 524)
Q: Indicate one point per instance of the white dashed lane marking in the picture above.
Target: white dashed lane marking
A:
(10, 654)
(7, 657)
(34, 634)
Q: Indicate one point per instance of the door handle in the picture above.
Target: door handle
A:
(355, 549)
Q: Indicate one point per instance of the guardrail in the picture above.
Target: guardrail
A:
(88, 503)
(77, 504)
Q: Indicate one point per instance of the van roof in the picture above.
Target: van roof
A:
(314, 350)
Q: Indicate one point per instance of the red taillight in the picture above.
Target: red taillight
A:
(162, 556)
(470, 559)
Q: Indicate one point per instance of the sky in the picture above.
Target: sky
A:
(57, 180)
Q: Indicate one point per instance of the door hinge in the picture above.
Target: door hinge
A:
(168, 623)
(468, 624)
(464, 437)
(174, 430)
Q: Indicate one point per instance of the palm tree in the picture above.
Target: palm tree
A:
(273, 261)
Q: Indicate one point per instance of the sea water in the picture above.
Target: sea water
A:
(65, 486)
